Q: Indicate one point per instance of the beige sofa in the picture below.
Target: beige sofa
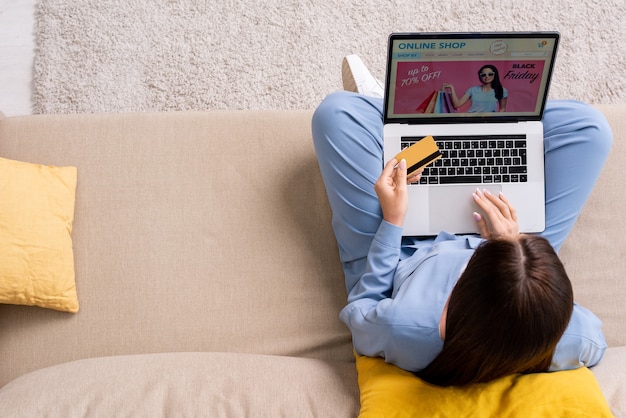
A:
(208, 277)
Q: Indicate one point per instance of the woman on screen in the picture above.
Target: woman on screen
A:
(489, 96)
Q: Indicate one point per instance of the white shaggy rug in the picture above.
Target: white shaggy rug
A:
(149, 55)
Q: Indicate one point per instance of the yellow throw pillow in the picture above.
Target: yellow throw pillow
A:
(388, 391)
(36, 215)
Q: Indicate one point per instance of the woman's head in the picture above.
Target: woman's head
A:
(488, 74)
(505, 315)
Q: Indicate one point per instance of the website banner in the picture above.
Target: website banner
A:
(473, 77)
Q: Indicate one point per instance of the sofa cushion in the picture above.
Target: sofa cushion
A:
(389, 391)
(186, 385)
(36, 215)
(184, 240)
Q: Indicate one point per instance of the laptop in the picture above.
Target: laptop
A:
(481, 96)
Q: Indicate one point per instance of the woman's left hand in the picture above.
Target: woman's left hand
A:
(501, 217)
(391, 189)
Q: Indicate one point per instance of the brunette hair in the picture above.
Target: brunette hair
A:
(495, 84)
(505, 315)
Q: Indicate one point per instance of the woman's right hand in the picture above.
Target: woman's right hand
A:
(501, 217)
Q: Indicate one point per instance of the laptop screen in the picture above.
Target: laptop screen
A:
(468, 77)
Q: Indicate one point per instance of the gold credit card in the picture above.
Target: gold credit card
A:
(420, 154)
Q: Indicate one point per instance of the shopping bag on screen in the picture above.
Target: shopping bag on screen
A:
(447, 102)
(439, 103)
(425, 105)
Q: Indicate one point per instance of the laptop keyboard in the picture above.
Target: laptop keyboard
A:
(476, 159)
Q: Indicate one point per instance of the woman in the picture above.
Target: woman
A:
(459, 309)
(489, 96)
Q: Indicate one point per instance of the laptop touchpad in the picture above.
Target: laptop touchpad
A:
(451, 207)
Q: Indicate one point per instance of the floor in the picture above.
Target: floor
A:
(17, 50)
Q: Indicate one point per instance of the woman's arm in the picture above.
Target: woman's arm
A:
(371, 313)
(376, 283)
(502, 105)
(456, 102)
(582, 344)
(384, 252)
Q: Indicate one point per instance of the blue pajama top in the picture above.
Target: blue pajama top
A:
(394, 309)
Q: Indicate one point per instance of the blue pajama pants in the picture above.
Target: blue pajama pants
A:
(347, 134)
